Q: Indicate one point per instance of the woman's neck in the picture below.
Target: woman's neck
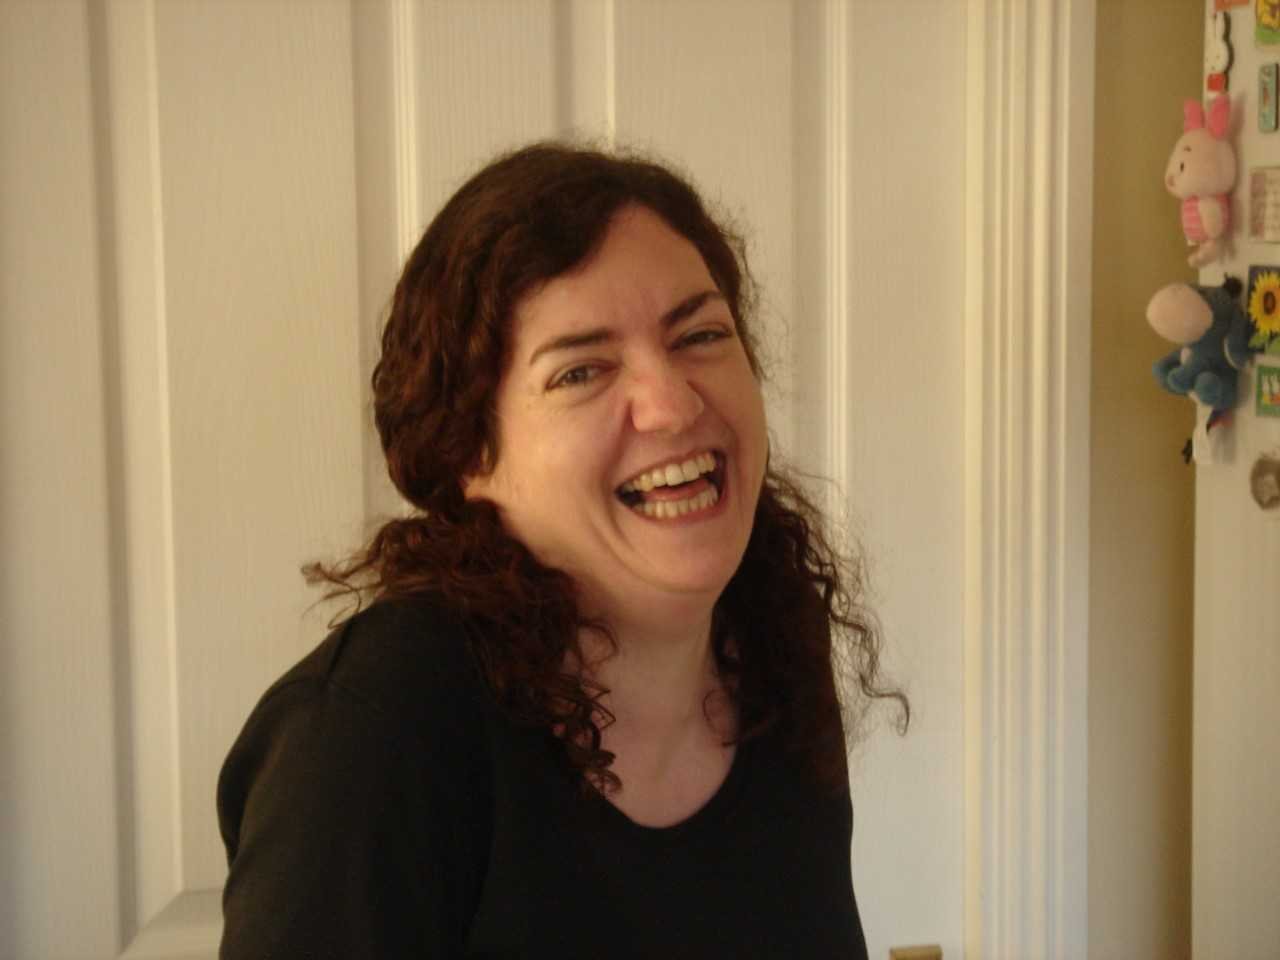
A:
(662, 680)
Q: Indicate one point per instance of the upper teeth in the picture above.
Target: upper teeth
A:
(672, 474)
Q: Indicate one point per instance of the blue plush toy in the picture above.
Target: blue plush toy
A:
(1213, 332)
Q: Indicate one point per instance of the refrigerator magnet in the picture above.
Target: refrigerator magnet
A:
(1264, 204)
(1218, 55)
(1268, 81)
(1262, 303)
(1264, 480)
(1266, 28)
(1266, 393)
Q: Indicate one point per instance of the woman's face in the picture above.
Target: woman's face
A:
(631, 429)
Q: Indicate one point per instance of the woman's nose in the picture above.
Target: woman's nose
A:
(664, 401)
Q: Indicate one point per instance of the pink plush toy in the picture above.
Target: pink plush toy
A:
(1201, 173)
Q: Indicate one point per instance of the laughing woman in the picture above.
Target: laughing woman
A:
(594, 705)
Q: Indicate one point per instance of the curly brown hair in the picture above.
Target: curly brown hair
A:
(790, 624)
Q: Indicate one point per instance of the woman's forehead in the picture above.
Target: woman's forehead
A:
(642, 271)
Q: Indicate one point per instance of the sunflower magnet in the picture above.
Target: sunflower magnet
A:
(1264, 309)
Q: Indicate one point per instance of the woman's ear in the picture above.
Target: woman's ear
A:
(478, 482)
(477, 486)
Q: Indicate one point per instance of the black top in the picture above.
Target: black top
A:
(378, 803)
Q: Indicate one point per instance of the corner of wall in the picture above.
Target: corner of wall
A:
(1149, 57)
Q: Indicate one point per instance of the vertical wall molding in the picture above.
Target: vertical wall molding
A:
(1027, 316)
(150, 762)
(836, 177)
(167, 591)
(585, 70)
(386, 59)
(611, 73)
(404, 91)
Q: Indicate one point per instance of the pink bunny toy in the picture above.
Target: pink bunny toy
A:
(1201, 173)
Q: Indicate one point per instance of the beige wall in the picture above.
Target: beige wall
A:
(1149, 57)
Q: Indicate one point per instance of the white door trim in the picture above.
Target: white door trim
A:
(1027, 313)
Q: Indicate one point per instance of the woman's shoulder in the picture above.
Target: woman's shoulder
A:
(404, 659)
(367, 759)
(397, 678)
(392, 695)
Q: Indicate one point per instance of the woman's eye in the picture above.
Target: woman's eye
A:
(575, 377)
(705, 335)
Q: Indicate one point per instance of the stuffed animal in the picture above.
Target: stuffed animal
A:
(1201, 173)
(1213, 332)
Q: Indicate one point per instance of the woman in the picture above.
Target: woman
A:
(592, 709)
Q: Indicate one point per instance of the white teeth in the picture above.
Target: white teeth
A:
(670, 509)
(672, 474)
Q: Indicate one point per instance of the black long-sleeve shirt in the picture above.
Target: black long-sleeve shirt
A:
(378, 803)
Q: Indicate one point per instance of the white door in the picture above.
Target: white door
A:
(203, 208)
(1235, 763)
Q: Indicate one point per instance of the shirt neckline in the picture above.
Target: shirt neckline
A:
(700, 821)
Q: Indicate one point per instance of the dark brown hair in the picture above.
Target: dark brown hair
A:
(790, 621)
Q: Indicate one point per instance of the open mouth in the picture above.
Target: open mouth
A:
(677, 489)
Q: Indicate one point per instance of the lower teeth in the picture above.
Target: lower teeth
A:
(670, 509)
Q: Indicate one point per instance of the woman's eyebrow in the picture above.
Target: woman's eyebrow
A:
(685, 308)
(571, 340)
(689, 306)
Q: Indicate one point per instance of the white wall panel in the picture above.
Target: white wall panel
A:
(58, 628)
(264, 402)
(906, 448)
(487, 82)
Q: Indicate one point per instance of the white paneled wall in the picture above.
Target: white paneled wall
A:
(263, 389)
(60, 796)
(203, 208)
